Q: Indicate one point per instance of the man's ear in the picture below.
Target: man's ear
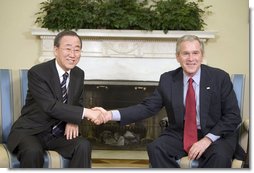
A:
(177, 58)
(55, 51)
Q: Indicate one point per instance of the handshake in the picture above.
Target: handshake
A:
(98, 115)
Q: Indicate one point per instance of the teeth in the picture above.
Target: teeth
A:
(70, 60)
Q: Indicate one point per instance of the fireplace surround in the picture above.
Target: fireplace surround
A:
(122, 54)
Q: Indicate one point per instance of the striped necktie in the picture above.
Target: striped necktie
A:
(64, 88)
(59, 128)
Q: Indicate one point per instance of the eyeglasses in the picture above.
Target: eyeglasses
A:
(69, 50)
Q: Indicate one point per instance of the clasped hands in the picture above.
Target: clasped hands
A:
(98, 115)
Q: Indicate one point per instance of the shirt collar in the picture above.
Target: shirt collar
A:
(196, 77)
(60, 70)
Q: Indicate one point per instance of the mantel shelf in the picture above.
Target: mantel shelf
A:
(128, 33)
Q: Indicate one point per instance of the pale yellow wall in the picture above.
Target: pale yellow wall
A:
(19, 49)
(229, 50)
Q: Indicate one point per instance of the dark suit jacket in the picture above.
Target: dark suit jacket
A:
(219, 111)
(44, 106)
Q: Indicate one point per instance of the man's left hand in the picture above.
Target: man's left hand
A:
(71, 131)
(198, 148)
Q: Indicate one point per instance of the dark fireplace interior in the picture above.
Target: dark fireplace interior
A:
(113, 95)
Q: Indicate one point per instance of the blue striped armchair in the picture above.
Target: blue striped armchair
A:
(8, 101)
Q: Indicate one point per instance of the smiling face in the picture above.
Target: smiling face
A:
(190, 56)
(68, 52)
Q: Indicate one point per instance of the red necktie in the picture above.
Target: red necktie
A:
(190, 126)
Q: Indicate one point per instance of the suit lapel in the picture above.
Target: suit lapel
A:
(177, 98)
(55, 81)
(206, 89)
(72, 86)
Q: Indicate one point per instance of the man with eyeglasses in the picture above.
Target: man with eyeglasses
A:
(54, 108)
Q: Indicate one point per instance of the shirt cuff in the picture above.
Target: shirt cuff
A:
(116, 116)
(84, 111)
(212, 137)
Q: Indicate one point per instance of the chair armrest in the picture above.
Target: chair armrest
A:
(184, 162)
(52, 159)
(4, 159)
(246, 124)
(236, 163)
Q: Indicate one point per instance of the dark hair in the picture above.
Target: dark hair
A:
(60, 35)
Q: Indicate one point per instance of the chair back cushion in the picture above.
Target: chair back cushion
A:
(238, 84)
(23, 85)
(6, 104)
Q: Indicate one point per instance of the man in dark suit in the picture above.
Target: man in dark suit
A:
(216, 111)
(50, 117)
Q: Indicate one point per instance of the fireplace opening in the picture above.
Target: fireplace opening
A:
(113, 95)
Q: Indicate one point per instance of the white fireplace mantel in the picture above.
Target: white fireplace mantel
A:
(122, 54)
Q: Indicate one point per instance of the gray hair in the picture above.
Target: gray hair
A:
(188, 38)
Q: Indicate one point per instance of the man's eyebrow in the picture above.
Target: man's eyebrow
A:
(70, 45)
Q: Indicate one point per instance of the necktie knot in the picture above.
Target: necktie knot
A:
(65, 76)
(190, 81)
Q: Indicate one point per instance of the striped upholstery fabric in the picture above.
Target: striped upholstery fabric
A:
(7, 160)
(238, 81)
(23, 85)
(6, 104)
(51, 159)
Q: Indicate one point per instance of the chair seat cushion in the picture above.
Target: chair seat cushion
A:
(51, 159)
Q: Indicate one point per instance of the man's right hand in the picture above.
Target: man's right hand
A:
(96, 116)
(107, 114)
